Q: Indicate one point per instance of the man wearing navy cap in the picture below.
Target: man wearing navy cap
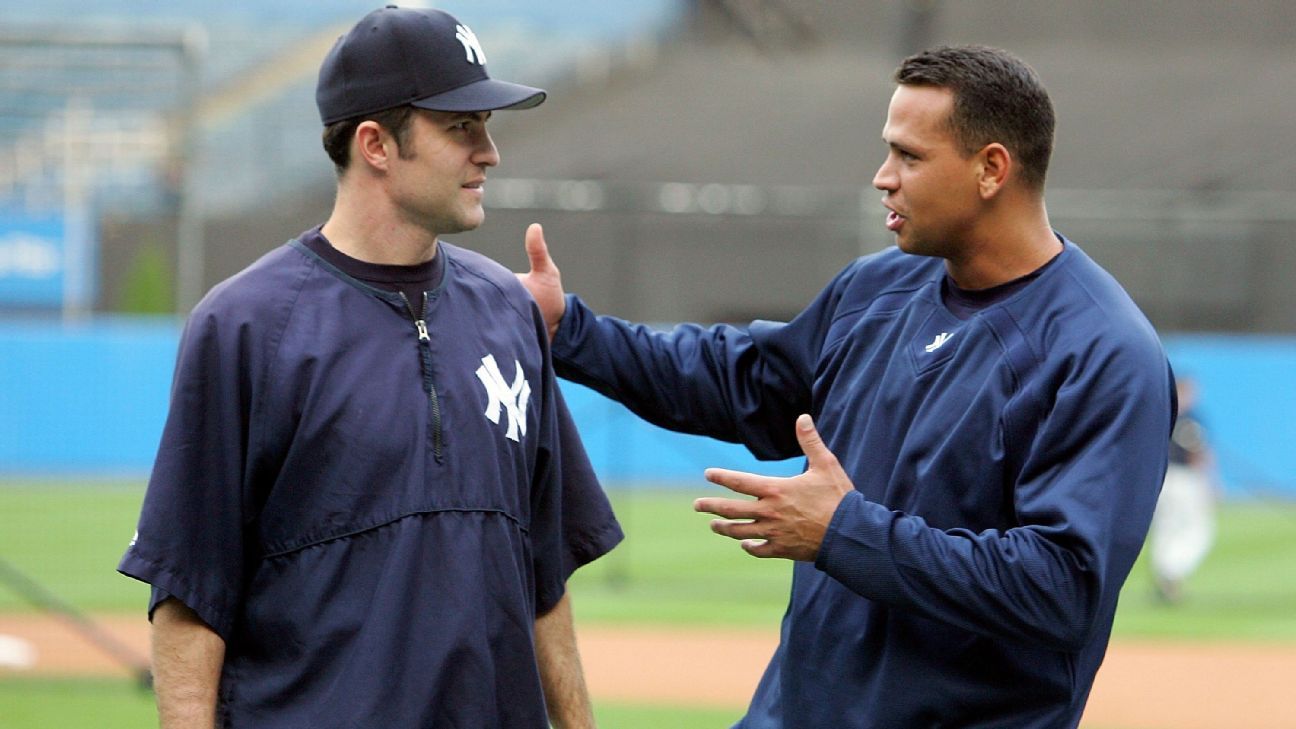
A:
(369, 493)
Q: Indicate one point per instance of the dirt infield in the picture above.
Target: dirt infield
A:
(1142, 685)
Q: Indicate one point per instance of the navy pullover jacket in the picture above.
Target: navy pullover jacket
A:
(1006, 466)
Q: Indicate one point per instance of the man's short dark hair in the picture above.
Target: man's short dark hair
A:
(997, 98)
(337, 136)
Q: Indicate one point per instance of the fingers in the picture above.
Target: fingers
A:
(728, 508)
(752, 534)
(537, 251)
(731, 509)
(739, 481)
(812, 444)
(738, 529)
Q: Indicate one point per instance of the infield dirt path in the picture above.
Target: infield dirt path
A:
(1142, 685)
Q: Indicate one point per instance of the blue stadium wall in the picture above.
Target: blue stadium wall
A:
(87, 400)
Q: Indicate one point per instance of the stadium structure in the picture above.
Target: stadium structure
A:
(702, 159)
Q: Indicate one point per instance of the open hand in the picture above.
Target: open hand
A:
(790, 515)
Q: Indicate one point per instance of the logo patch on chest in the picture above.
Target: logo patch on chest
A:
(938, 342)
(501, 396)
(934, 340)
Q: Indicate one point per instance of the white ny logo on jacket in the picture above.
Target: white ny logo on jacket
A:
(499, 394)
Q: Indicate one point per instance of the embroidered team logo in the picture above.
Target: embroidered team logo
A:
(938, 342)
(472, 46)
(502, 396)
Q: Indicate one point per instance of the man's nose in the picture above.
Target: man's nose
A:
(885, 178)
(487, 154)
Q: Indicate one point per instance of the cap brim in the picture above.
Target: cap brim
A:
(484, 95)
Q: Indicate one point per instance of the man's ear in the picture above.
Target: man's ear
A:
(373, 145)
(996, 162)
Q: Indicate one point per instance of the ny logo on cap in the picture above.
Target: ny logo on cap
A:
(472, 46)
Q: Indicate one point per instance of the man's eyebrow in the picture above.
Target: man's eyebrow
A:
(454, 117)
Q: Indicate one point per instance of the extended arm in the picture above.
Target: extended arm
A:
(561, 675)
(187, 658)
(744, 385)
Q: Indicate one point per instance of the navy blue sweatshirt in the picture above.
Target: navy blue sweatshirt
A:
(1005, 467)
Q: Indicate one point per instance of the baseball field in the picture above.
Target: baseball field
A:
(675, 625)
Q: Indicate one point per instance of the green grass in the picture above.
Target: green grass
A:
(116, 704)
(637, 716)
(671, 570)
(1244, 590)
(107, 704)
(69, 538)
(28, 703)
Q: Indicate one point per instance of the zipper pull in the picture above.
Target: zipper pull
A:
(422, 330)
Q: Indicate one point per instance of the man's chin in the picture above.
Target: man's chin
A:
(463, 224)
(916, 247)
(908, 245)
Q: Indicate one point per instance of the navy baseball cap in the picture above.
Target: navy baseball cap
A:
(397, 56)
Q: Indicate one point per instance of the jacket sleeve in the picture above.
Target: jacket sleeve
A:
(190, 537)
(742, 385)
(1084, 499)
(572, 520)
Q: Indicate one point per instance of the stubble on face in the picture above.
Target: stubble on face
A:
(440, 189)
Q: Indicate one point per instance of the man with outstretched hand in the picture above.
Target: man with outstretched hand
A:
(990, 419)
